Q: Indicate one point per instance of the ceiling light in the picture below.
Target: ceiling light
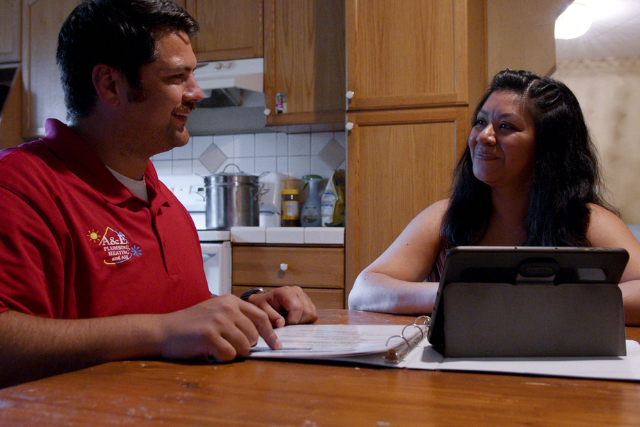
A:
(574, 21)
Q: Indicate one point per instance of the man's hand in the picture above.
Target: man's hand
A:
(289, 301)
(223, 327)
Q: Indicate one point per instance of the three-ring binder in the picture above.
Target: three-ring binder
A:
(405, 341)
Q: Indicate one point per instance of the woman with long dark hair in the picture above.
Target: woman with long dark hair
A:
(528, 177)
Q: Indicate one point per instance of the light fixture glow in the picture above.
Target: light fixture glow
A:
(574, 22)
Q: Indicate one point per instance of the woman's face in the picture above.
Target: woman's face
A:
(502, 142)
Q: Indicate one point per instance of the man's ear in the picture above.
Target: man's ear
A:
(108, 83)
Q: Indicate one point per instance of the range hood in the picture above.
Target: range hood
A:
(234, 100)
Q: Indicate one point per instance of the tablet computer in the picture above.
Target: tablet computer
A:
(529, 301)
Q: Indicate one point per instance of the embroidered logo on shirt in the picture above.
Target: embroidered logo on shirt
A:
(115, 245)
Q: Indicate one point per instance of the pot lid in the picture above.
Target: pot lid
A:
(231, 177)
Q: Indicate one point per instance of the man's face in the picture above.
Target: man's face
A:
(156, 118)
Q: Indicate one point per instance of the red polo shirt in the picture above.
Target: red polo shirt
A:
(76, 243)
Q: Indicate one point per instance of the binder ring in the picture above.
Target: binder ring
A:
(396, 336)
(415, 326)
(426, 322)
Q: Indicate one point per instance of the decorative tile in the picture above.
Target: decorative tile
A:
(318, 167)
(225, 144)
(213, 158)
(333, 154)
(200, 144)
(319, 141)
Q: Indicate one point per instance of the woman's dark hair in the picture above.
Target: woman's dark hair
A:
(566, 175)
(118, 33)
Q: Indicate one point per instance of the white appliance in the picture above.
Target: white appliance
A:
(216, 258)
(270, 199)
(215, 244)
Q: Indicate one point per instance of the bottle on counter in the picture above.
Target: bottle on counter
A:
(311, 213)
(290, 207)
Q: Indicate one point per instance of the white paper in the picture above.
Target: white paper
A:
(367, 344)
(333, 341)
(611, 368)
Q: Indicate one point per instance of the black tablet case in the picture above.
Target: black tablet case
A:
(530, 302)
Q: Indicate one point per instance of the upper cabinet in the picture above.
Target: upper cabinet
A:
(228, 29)
(304, 61)
(43, 95)
(414, 53)
(9, 31)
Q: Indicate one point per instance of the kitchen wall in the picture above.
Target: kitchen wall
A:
(295, 155)
(609, 94)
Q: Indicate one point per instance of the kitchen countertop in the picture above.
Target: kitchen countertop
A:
(276, 235)
(288, 235)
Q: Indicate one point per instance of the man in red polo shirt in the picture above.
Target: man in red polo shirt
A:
(99, 261)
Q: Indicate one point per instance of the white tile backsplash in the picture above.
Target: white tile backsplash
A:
(299, 166)
(282, 143)
(183, 153)
(293, 155)
(245, 145)
(266, 164)
(300, 144)
(182, 167)
(225, 144)
(266, 145)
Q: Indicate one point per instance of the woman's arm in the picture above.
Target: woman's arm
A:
(394, 283)
(607, 230)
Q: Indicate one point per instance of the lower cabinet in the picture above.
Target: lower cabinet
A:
(319, 270)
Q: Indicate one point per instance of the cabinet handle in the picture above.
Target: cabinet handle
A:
(266, 111)
(349, 126)
(350, 94)
(284, 267)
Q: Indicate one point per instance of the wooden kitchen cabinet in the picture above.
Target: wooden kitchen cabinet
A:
(400, 162)
(42, 95)
(228, 29)
(304, 58)
(414, 53)
(415, 70)
(319, 270)
(9, 31)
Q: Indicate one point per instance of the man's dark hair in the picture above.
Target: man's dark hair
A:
(566, 176)
(118, 33)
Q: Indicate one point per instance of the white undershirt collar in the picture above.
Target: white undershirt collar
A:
(137, 187)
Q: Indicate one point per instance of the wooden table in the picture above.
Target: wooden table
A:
(272, 393)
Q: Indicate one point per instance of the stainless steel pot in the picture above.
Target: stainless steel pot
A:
(231, 200)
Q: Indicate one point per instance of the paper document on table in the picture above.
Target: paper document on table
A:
(341, 341)
(626, 368)
(373, 345)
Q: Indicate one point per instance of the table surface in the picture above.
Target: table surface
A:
(274, 393)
